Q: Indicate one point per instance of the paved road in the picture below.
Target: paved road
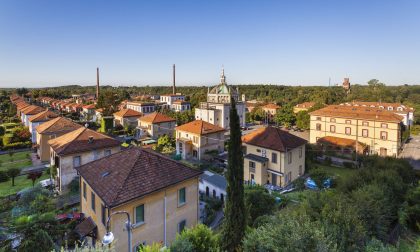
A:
(411, 152)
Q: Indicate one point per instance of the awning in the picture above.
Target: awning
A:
(86, 228)
(275, 172)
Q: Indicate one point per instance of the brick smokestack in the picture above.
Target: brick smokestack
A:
(173, 84)
(97, 83)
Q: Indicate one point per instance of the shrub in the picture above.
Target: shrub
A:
(74, 185)
(201, 238)
(17, 145)
(349, 165)
(3, 176)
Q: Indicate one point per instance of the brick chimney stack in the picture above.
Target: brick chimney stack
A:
(97, 83)
(173, 73)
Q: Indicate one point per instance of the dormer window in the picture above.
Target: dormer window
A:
(390, 108)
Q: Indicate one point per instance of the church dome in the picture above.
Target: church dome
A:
(223, 87)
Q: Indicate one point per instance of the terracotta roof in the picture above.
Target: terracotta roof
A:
(200, 127)
(273, 138)
(354, 112)
(271, 106)
(181, 102)
(43, 116)
(59, 124)
(142, 172)
(89, 106)
(156, 117)
(141, 103)
(22, 105)
(32, 110)
(342, 142)
(128, 113)
(79, 140)
(378, 105)
(305, 105)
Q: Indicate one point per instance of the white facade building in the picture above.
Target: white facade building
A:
(213, 185)
(217, 107)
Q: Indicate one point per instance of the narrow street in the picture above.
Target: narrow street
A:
(411, 152)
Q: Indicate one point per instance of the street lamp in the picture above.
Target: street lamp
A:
(109, 236)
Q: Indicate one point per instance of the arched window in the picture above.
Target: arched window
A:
(222, 197)
(214, 193)
(207, 191)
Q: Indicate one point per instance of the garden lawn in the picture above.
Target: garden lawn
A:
(337, 171)
(21, 182)
(20, 160)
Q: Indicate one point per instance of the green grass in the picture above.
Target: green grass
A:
(20, 160)
(337, 171)
(21, 182)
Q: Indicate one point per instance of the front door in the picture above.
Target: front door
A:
(383, 152)
(273, 179)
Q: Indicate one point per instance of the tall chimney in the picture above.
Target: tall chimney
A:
(97, 83)
(173, 73)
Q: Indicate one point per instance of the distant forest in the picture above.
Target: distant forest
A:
(282, 95)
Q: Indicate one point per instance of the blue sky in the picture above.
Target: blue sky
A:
(291, 42)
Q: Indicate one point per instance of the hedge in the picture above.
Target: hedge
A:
(17, 145)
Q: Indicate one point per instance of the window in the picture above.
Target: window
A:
(258, 150)
(318, 118)
(181, 196)
(348, 131)
(76, 161)
(332, 120)
(95, 154)
(107, 153)
(92, 201)
(348, 121)
(195, 139)
(289, 157)
(251, 164)
(84, 190)
(332, 128)
(244, 150)
(365, 133)
(214, 193)
(181, 226)
(300, 152)
(384, 125)
(103, 216)
(384, 135)
(140, 214)
(364, 123)
(318, 126)
(300, 170)
(274, 158)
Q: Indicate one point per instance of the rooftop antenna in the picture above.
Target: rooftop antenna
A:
(173, 76)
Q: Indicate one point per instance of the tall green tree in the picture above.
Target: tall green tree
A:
(13, 173)
(235, 217)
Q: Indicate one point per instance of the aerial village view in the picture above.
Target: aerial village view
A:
(170, 126)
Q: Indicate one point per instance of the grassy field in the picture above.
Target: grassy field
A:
(18, 160)
(21, 182)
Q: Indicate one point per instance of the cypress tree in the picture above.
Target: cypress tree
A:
(235, 217)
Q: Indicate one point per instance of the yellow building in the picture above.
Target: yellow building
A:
(195, 138)
(303, 107)
(49, 130)
(270, 110)
(77, 148)
(159, 194)
(157, 124)
(126, 117)
(377, 129)
(273, 156)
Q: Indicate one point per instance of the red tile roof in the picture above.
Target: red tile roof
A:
(305, 105)
(142, 172)
(200, 127)
(43, 116)
(354, 112)
(128, 113)
(271, 106)
(89, 106)
(32, 110)
(273, 138)
(378, 105)
(156, 118)
(79, 140)
(57, 125)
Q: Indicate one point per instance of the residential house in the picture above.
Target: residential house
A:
(30, 111)
(77, 148)
(181, 106)
(213, 185)
(126, 117)
(175, 102)
(303, 107)
(273, 156)
(39, 119)
(196, 138)
(142, 107)
(157, 124)
(270, 110)
(159, 194)
(88, 112)
(49, 130)
(378, 130)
